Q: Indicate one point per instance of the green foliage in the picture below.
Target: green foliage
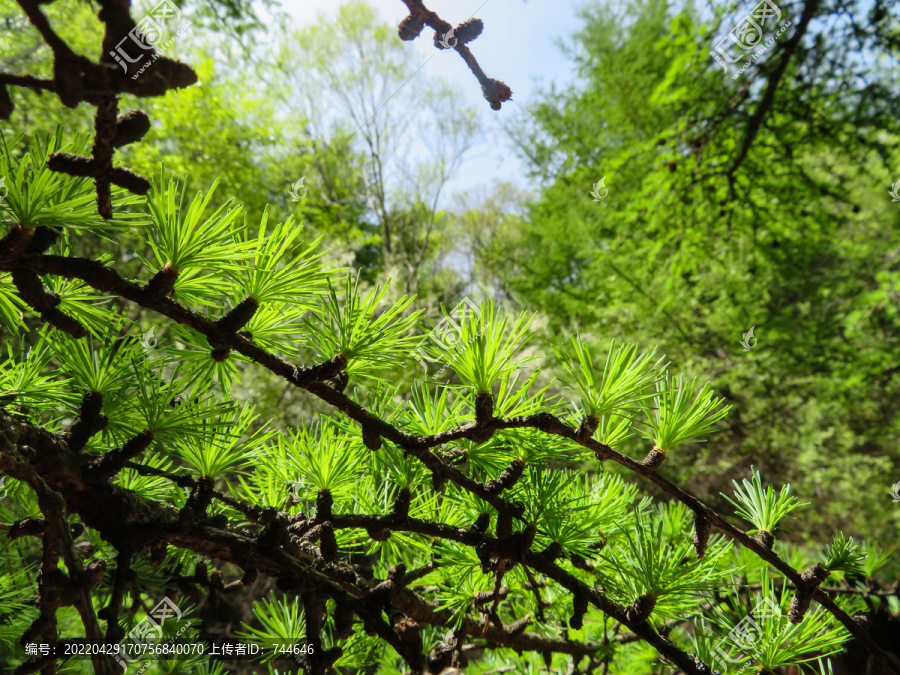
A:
(622, 384)
(432, 409)
(282, 269)
(35, 196)
(230, 445)
(484, 349)
(843, 554)
(183, 237)
(199, 424)
(162, 411)
(324, 459)
(281, 623)
(875, 559)
(765, 638)
(680, 417)
(645, 563)
(613, 430)
(698, 241)
(569, 517)
(23, 378)
(763, 507)
(100, 364)
(11, 305)
(78, 300)
(353, 326)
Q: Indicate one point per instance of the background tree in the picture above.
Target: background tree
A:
(758, 202)
(353, 67)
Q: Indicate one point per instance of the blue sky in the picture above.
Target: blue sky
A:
(518, 46)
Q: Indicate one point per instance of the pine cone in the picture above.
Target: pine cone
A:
(799, 606)
(131, 127)
(588, 426)
(579, 609)
(371, 439)
(328, 543)
(410, 28)
(382, 534)
(469, 30)
(496, 92)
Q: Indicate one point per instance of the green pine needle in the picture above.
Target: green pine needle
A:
(679, 417)
(282, 268)
(352, 325)
(484, 348)
(234, 449)
(762, 507)
(183, 236)
(616, 389)
(38, 197)
(843, 554)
